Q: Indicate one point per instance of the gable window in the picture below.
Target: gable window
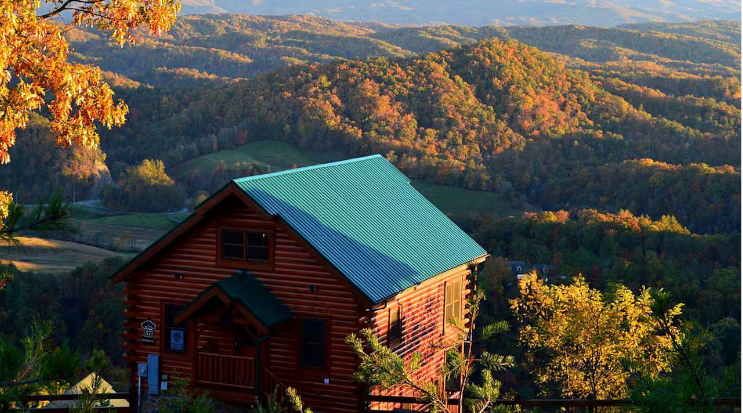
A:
(453, 301)
(313, 343)
(175, 337)
(238, 246)
(395, 327)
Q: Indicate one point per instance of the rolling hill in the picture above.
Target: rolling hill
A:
(496, 115)
(218, 49)
(534, 114)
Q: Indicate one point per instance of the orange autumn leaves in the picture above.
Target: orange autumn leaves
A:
(35, 74)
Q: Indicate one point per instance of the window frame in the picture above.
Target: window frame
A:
(452, 286)
(245, 263)
(300, 344)
(393, 341)
(165, 351)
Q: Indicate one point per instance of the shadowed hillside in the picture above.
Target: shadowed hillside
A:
(497, 116)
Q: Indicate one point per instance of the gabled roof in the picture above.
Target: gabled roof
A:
(249, 293)
(366, 219)
(362, 215)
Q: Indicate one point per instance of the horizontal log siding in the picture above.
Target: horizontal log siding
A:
(295, 269)
(422, 324)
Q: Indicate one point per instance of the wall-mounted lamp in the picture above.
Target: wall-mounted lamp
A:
(313, 288)
(177, 275)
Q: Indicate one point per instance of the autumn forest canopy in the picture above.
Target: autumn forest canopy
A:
(626, 141)
(642, 118)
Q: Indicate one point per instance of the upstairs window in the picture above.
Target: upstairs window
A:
(313, 344)
(245, 246)
(453, 302)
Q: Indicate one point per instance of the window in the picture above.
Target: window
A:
(175, 336)
(245, 246)
(257, 246)
(233, 247)
(313, 344)
(453, 301)
(453, 382)
(395, 328)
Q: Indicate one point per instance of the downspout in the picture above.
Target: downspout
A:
(258, 374)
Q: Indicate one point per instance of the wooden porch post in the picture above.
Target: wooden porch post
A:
(257, 385)
(193, 326)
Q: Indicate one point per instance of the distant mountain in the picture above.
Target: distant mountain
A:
(484, 12)
(641, 108)
(209, 49)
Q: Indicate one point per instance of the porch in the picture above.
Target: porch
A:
(229, 330)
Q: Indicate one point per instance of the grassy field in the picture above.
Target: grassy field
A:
(456, 200)
(51, 256)
(279, 155)
(282, 155)
(128, 232)
(98, 236)
(149, 220)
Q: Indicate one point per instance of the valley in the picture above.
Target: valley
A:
(609, 154)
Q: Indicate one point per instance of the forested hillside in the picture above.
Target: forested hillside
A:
(644, 118)
(610, 250)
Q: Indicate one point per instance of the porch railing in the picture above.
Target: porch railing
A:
(225, 370)
(270, 383)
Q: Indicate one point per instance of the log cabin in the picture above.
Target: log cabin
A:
(259, 287)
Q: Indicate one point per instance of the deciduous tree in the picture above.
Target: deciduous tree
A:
(585, 340)
(144, 187)
(692, 386)
(35, 73)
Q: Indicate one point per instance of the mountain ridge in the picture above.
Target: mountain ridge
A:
(222, 47)
(495, 115)
(481, 111)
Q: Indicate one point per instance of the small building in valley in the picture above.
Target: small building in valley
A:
(262, 283)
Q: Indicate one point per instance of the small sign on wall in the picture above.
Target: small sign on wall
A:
(177, 339)
(149, 332)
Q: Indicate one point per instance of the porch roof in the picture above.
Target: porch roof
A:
(244, 288)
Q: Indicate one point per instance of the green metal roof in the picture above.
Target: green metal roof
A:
(248, 291)
(367, 220)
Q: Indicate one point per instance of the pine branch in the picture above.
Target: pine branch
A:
(54, 216)
(20, 382)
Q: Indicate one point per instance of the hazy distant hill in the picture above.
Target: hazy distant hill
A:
(483, 12)
(220, 48)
